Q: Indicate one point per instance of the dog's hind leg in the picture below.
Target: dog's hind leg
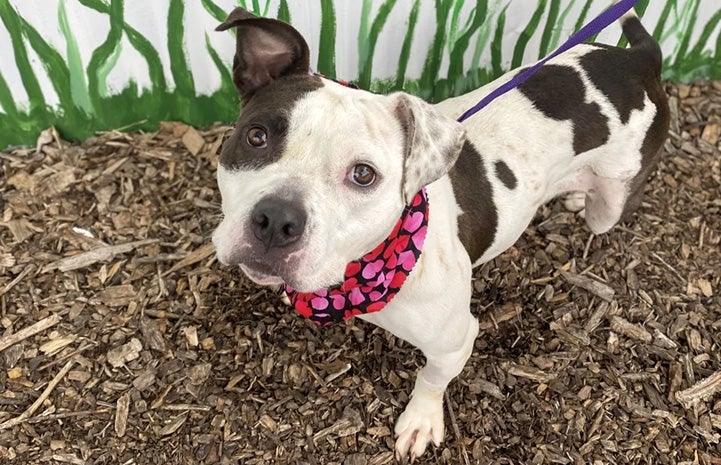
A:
(637, 184)
(605, 202)
(601, 199)
(610, 200)
(575, 201)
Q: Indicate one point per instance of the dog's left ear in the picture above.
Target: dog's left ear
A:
(432, 143)
(266, 49)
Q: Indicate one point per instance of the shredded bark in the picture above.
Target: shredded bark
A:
(593, 349)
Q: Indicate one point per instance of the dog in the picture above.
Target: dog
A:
(316, 175)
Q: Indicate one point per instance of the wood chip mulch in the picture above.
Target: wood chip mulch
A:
(122, 340)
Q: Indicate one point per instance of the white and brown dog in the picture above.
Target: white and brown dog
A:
(316, 175)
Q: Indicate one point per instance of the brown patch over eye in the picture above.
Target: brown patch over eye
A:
(257, 137)
(363, 175)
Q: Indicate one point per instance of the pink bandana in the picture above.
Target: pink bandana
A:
(375, 279)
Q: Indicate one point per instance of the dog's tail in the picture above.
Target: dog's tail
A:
(638, 36)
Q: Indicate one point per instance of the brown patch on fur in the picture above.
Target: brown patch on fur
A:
(505, 175)
(268, 108)
(559, 93)
(478, 223)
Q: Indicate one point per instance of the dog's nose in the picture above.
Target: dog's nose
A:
(277, 222)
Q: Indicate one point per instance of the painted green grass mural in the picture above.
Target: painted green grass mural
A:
(467, 47)
(85, 109)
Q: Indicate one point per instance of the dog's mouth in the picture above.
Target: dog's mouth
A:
(266, 274)
(261, 273)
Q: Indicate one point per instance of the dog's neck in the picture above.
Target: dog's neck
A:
(372, 281)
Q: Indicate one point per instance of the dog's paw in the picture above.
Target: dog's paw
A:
(575, 201)
(285, 299)
(419, 424)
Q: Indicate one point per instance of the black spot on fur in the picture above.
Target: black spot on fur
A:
(269, 107)
(478, 224)
(558, 92)
(612, 71)
(504, 173)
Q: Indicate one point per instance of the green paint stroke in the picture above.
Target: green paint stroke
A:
(284, 12)
(556, 35)
(139, 43)
(689, 24)
(215, 11)
(78, 83)
(406, 48)
(460, 46)
(551, 25)
(12, 22)
(179, 68)
(452, 28)
(699, 61)
(364, 78)
(104, 58)
(364, 32)
(528, 32)
(7, 103)
(705, 38)
(581, 20)
(261, 11)
(326, 54)
(676, 24)
(56, 70)
(255, 7)
(497, 45)
(429, 77)
(229, 105)
(151, 56)
(484, 34)
(661, 24)
(226, 79)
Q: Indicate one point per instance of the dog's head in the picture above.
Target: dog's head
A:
(316, 174)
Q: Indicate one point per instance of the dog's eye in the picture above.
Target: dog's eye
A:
(257, 137)
(362, 175)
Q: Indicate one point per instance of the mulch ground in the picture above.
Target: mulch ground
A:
(124, 342)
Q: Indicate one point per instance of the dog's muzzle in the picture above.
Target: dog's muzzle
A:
(277, 223)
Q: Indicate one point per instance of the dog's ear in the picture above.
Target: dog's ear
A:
(432, 143)
(266, 49)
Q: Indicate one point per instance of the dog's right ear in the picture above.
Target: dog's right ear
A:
(266, 49)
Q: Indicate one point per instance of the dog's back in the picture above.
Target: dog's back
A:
(592, 120)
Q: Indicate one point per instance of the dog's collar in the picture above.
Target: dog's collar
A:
(350, 84)
(372, 281)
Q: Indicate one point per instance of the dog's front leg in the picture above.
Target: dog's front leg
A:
(444, 330)
(422, 420)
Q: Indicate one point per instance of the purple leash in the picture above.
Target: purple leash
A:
(598, 24)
